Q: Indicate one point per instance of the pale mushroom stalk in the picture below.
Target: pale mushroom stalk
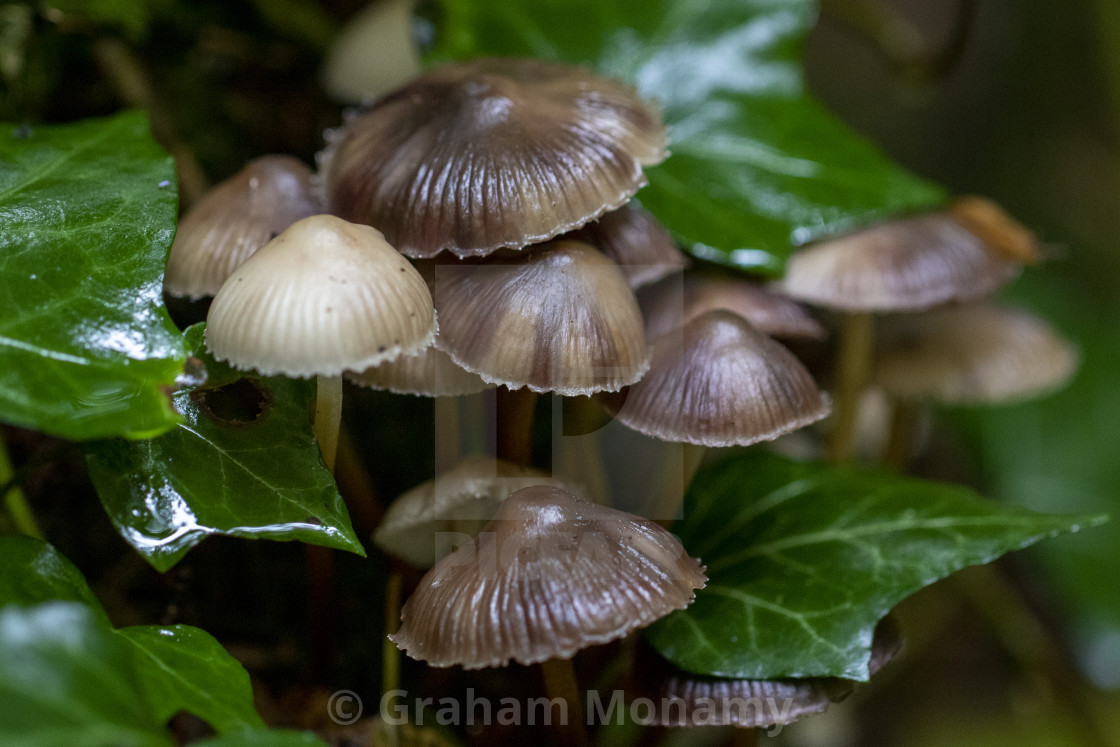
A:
(328, 416)
(900, 436)
(515, 409)
(852, 373)
(390, 654)
(560, 683)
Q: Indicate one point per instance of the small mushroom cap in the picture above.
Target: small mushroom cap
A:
(549, 575)
(235, 219)
(560, 318)
(971, 354)
(459, 501)
(902, 265)
(429, 373)
(322, 297)
(674, 301)
(634, 240)
(718, 381)
(493, 153)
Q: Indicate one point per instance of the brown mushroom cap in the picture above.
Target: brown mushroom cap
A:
(902, 265)
(461, 501)
(429, 373)
(560, 318)
(492, 153)
(971, 354)
(551, 574)
(235, 219)
(718, 381)
(634, 240)
(322, 297)
(674, 301)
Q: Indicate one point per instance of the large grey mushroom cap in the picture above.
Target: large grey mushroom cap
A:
(551, 574)
(476, 156)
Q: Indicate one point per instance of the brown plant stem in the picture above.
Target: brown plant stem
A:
(1030, 643)
(132, 85)
(853, 367)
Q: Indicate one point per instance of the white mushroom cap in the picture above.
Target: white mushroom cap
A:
(322, 297)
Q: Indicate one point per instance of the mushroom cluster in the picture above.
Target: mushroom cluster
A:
(495, 195)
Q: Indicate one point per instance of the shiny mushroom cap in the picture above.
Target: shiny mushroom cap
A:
(322, 297)
(674, 301)
(461, 501)
(560, 318)
(235, 219)
(971, 354)
(549, 575)
(493, 153)
(718, 381)
(902, 265)
(634, 240)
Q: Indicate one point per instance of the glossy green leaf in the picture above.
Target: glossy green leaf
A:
(32, 572)
(68, 679)
(757, 166)
(185, 668)
(74, 662)
(804, 559)
(212, 475)
(87, 349)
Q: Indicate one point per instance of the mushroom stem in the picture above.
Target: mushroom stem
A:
(390, 654)
(515, 408)
(853, 370)
(15, 501)
(668, 506)
(900, 441)
(328, 416)
(560, 682)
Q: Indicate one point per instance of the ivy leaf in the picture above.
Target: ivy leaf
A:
(185, 668)
(218, 471)
(757, 165)
(32, 572)
(87, 349)
(70, 678)
(804, 559)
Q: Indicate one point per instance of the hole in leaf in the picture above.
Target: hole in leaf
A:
(243, 402)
